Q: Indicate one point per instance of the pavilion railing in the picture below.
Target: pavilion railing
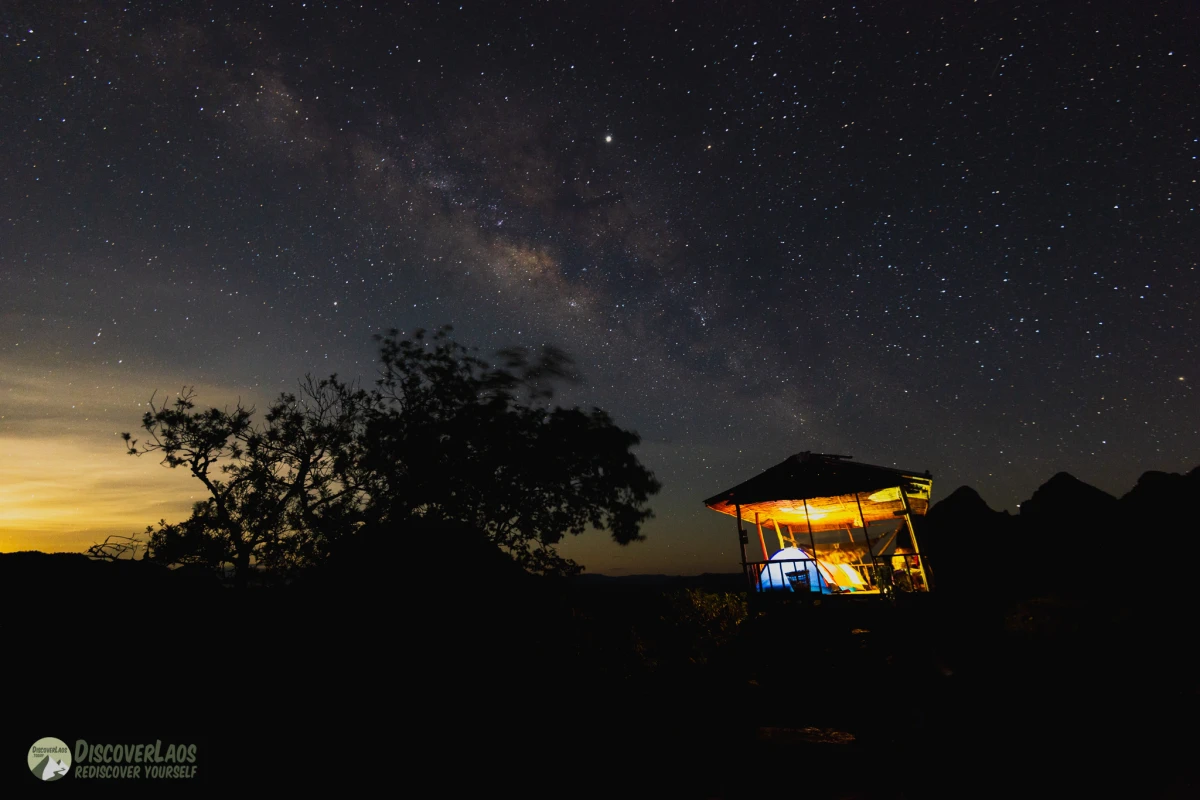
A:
(887, 575)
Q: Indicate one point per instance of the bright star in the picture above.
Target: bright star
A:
(608, 138)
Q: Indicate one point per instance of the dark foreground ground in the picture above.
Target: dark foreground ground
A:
(353, 683)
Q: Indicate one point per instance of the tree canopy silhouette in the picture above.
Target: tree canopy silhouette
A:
(458, 440)
(444, 436)
(280, 492)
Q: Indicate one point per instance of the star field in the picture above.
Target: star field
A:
(955, 237)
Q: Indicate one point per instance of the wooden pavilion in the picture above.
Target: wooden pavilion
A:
(826, 525)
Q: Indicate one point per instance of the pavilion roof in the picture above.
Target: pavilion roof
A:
(826, 490)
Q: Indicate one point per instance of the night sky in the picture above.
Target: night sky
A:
(958, 237)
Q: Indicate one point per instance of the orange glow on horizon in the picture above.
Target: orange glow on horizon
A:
(66, 480)
(65, 494)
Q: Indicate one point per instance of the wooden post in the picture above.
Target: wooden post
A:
(742, 542)
(761, 540)
(867, 536)
(813, 544)
(926, 575)
(778, 532)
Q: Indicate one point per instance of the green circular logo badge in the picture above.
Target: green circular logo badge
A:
(49, 759)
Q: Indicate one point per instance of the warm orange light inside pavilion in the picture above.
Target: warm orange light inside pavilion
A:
(835, 513)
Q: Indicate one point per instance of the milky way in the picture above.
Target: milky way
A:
(960, 238)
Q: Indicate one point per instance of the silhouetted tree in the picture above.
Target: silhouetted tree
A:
(452, 438)
(444, 437)
(280, 493)
(116, 548)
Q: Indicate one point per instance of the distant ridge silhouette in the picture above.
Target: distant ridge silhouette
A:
(1064, 494)
(1067, 535)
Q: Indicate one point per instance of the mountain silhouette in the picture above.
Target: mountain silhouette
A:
(1064, 495)
(1159, 497)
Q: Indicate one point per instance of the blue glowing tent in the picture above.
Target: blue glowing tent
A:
(787, 571)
